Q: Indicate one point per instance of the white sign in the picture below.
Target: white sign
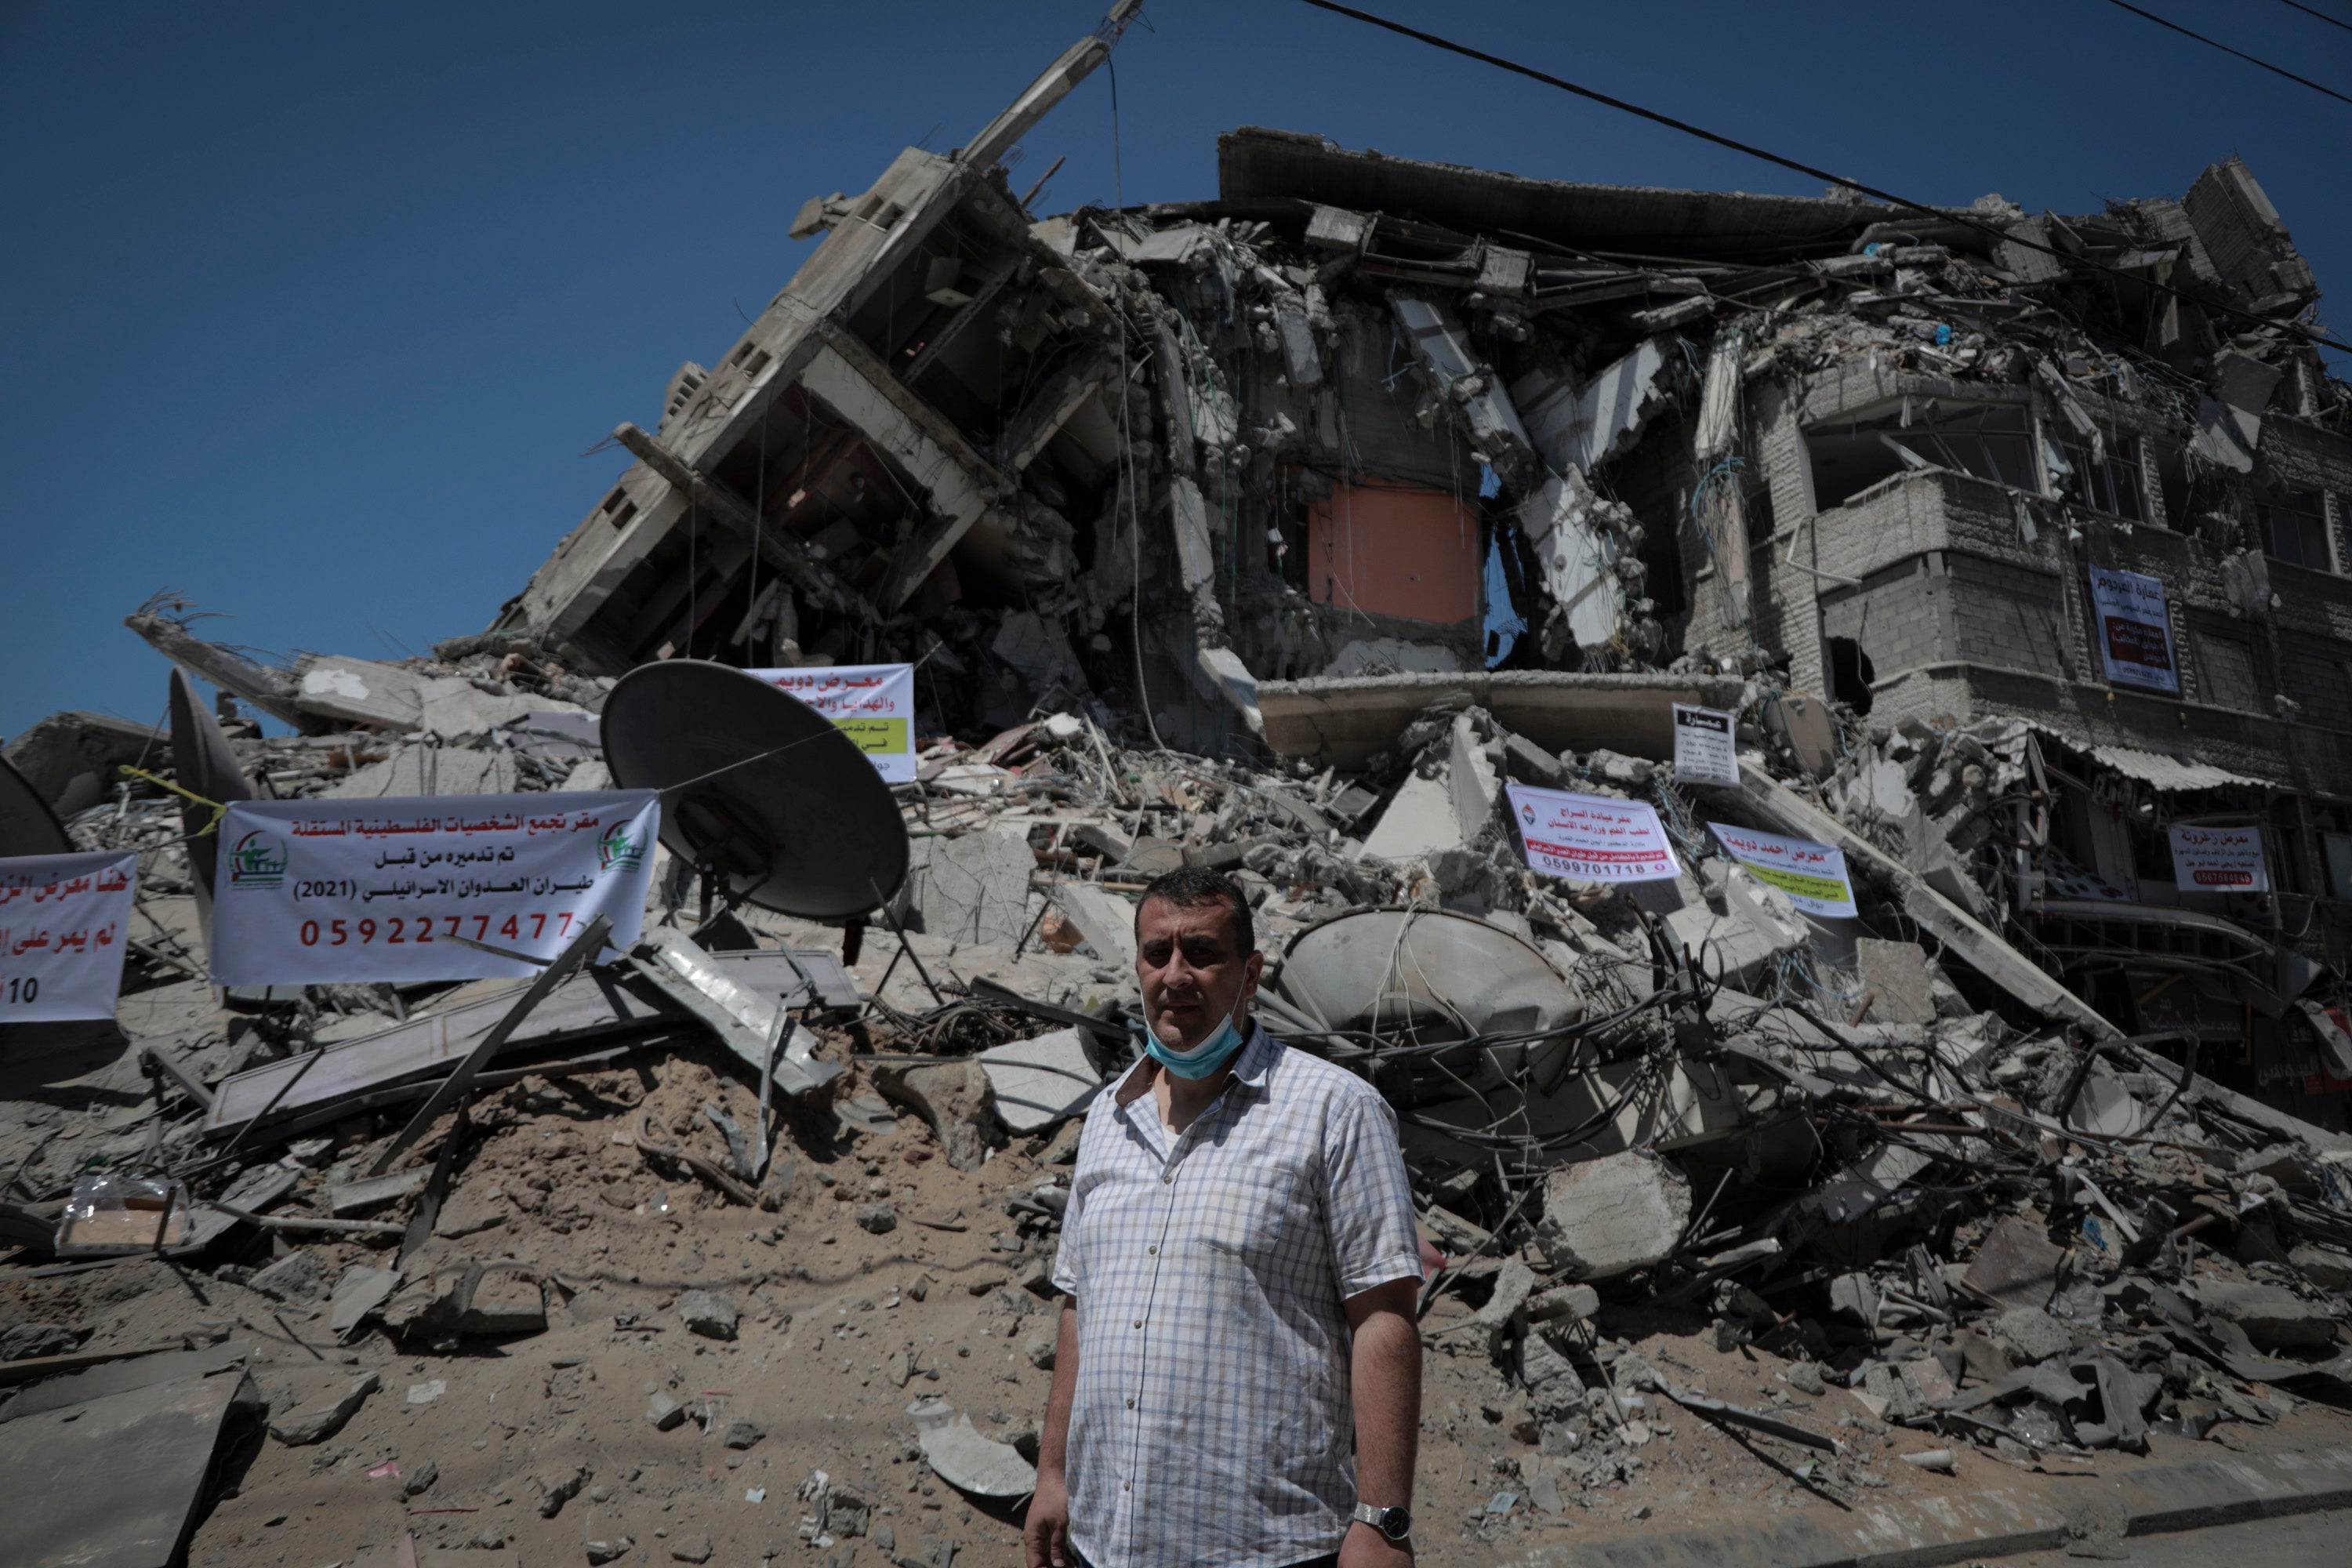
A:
(2218, 860)
(1705, 752)
(1590, 836)
(1813, 875)
(64, 922)
(873, 704)
(315, 890)
(2134, 632)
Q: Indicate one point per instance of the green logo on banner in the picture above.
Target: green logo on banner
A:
(256, 860)
(618, 851)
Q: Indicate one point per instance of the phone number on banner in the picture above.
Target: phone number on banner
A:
(399, 931)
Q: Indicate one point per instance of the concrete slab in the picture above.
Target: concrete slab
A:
(973, 887)
(1037, 1082)
(1420, 821)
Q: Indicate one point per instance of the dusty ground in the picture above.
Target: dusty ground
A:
(833, 1317)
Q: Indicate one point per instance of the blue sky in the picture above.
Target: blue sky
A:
(310, 313)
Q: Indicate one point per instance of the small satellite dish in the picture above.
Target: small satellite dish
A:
(758, 788)
(28, 826)
(206, 766)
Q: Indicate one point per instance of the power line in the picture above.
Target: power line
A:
(1941, 214)
(2331, 21)
(2249, 59)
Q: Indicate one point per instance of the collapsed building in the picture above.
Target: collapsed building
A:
(1277, 533)
(1237, 470)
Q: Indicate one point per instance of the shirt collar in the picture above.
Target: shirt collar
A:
(1258, 1055)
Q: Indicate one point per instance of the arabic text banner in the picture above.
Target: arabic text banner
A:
(873, 704)
(1590, 836)
(1705, 749)
(64, 920)
(2134, 632)
(318, 890)
(2218, 860)
(1813, 875)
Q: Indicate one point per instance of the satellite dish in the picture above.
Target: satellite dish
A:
(206, 766)
(28, 826)
(758, 788)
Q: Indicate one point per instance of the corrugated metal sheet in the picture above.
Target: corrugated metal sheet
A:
(2168, 773)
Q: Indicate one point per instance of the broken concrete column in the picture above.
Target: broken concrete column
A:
(1443, 345)
(1609, 1216)
(1471, 779)
(271, 690)
(359, 691)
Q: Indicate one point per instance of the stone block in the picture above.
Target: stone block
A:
(712, 1316)
(954, 1097)
(2272, 1318)
(320, 1422)
(1607, 1216)
(2033, 1334)
(1903, 978)
(1103, 918)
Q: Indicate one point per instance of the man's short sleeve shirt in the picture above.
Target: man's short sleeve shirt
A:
(1212, 1423)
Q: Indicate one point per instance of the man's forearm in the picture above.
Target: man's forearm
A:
(1053, 1444)
(1385, 1379)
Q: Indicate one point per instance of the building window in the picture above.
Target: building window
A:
(2335, 849)
(1850, 674)
(2294, 528)
(2110, 483)
(1989, 441)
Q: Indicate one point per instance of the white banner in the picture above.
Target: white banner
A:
(873, 704)
(2134, 632)
(1813, 875)
(1590, 836)
(64, 922)
(1705, 750)
(315, 890)
(2218, 860)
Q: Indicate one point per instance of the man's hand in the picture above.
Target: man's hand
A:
(1364, 1547)
(1046, 1533)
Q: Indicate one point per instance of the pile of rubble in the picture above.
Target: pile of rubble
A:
(1276, 535)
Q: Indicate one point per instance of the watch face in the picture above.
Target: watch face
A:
(1396, 1524)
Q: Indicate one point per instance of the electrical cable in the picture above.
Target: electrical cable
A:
(1940, 215)
(2322, 16)
(2240, 54)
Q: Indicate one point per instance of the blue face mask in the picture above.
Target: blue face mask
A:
(1204, 1059)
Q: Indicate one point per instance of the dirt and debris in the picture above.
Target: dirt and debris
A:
(1283, 534)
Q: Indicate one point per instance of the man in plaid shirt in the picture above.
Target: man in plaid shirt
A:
(1237, 1380)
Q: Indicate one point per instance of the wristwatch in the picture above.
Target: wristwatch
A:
(1396, 1524)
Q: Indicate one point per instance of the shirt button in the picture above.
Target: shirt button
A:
(1154, 1248)
(1169, 1177)
(1130, 1404)
(1126, 1486)
(1138, 1322)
